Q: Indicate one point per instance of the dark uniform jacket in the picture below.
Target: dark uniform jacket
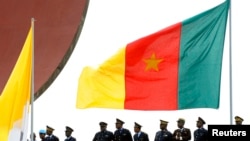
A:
(185, 133)
(163, 135)
(141, 136)
(200, 134)
(104, 136)
(70, 139)
(52, 138)
(122, 135)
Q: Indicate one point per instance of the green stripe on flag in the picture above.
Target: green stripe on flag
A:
(201, 52)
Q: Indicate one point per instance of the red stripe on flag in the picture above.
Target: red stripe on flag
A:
(151, 71)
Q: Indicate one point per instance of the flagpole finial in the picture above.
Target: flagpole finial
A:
(33, 19)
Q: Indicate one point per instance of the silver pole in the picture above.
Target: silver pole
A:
(32, 80)
(230, 62)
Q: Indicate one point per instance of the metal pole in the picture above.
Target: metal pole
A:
(230, 62)
(32, 80)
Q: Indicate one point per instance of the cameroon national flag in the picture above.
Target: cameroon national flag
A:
(178, 67)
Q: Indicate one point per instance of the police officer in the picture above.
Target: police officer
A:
(182, 133)
(49, 132)
(68, 134)
(238, 120)
(103, 134)
(42, 134)
(121, 134)
(200, 134)
(139, 135)
(163, 134)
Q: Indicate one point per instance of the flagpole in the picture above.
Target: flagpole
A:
(230, 63)
(32, 79)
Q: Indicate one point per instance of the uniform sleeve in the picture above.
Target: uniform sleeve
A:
(95, 137)
(146, 137)
(174, 135)
(170, 138)
(187, 136)
(115, 136)
(130, 136)
(156, 134)
(206, 135)
(112, 137)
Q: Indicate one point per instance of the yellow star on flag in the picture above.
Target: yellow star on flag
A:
(152, 63)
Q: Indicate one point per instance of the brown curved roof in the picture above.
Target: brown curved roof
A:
(58, 24)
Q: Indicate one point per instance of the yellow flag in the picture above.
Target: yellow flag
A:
(15, 98)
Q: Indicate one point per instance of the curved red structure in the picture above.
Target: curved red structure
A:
(58, 25)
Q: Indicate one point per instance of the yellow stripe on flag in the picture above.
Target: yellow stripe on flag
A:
(104, 87)
(15, 98)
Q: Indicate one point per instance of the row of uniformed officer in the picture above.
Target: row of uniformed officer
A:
(123, 134)
(49, 136)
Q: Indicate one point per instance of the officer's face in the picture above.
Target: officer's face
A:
(48, 132)
(136, 129)
(163, 126)
(67, 133)
(238, 122)
(42, 136)
(180, 124)
(118, 125)
(199, 124)
(102, 127)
